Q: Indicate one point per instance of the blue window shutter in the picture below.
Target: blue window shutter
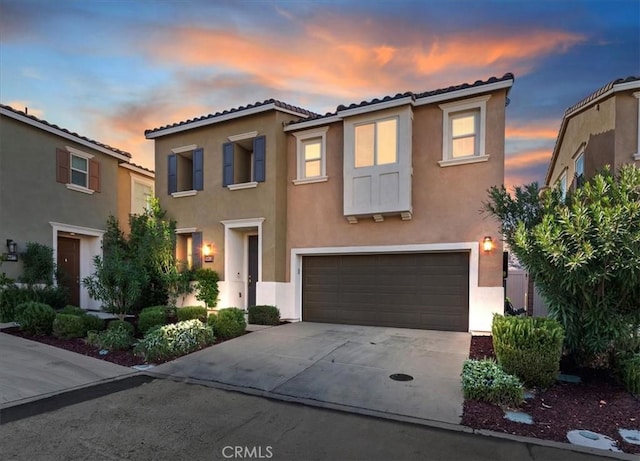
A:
(173, 174)
(227, 164)
(198, 169)
(259, 158)
(196, 250)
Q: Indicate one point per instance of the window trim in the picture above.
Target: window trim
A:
(88, 157)
(145, 182)
(375, 122)
(301, 138)
(563, 176)
(455, 108)
(580, 155)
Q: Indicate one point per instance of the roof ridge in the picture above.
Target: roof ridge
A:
(599, 92)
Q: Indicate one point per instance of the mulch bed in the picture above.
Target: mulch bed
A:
(598, 404)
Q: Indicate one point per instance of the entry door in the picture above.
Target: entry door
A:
(69, 265)
(252, 265)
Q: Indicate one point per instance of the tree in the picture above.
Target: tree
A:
(584, 253)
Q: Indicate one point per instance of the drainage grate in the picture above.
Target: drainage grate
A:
(401, 377)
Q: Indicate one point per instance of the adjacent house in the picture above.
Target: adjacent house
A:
(602, 129)
(57, 188)
(368, 215)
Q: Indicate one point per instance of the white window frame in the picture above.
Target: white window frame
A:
(636, 156)
(575, 164)
(454, 109)
(375, 144)
(301, 138)
(145, 182)
(78, 153)
(562, 184)
(178, 151)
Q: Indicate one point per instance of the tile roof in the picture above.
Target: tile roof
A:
(275, 102)
(599, 92)
(64, 130)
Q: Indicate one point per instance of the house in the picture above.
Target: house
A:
(366, 215)
(601, 129)
(57, 188)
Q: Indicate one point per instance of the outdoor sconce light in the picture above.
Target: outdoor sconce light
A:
(207, 252)
(487, 244)
(12, 247)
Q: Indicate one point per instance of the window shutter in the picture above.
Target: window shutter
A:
(62, 166)
(172, 178)
(198, 171)
(94, 175)
(259, 158)
(227, 164)
(196, 250)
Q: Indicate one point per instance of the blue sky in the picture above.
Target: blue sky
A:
(109, 69)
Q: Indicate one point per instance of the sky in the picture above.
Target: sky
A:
(109, 69)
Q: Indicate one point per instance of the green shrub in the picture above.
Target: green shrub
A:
(629, 373)
(91, 322)
(528, 347)
(118, 336)
(72, 310)
(207, 287)
(484, 380)
(192, 312)
(173, 340)
(151, 317)
(228, 323)
(38, 265)
(264, 315)
(12, 295)
(67, 326)
(35, 318)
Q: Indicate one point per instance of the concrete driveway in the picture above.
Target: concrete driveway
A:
(341, 366)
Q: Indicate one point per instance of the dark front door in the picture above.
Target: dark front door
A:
(69, 265)
(253, 270)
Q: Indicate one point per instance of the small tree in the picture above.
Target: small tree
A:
(584, 253)
(207, 287)
(38, 264)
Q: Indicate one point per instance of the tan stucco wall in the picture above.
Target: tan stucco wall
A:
(124, 199)
(214, 204)
(626, 142)
(30, 197)
(446, 201)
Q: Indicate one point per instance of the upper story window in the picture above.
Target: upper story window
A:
(464, 131)
(311, 156)
(141, 194)
(185, 171)
(78, 170)
(376, 143)
(580, 170)
(243, 161)
(562, 184)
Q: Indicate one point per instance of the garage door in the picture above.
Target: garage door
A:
(417, 290)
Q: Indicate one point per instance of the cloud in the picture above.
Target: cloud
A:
(541, 130)
(527, 159)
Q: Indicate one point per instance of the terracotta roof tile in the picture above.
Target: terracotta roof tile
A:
(599, 92)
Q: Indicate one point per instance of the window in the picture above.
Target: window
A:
(141, 194)
(464, 131)
(311, 149)
(580, 170)
(188, 243)
(78, 170)
(562, 184)
(185, 171)
(243, 161)
(376, 143)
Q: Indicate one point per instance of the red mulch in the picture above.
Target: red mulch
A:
(598, 404)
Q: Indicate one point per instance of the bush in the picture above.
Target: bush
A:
(91, 322)
(173, 340)
(484, 380)
(118, 336)
(67, 326)
(151, 317)
(228, 323)
(12, 295)
(35, 318)
(192, 312)
(629, 373)
(72, 310)
(528, 347)
(207, 287)
(264, 315)
(38, 264)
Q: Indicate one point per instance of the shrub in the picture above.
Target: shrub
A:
(118, 336)
(176, 339)
(484, 380)
(91, 322)
(264, 315)
(192, 312)
(67, 326)
(38, 264)
(207, 286)
(151, 317)
(12, 295)
(228, 323)
(72, 310)
(35, 318)
(629, 373)
(528, 347)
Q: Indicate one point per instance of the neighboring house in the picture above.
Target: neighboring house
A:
(602, 129)
(369, 215)
(57, 188)
(136, 186)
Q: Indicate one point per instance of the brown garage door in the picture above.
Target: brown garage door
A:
(416, 290)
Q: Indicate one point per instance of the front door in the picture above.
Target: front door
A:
(252, 265)
(69, 265)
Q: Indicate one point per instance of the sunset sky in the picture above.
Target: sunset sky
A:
(110, 69)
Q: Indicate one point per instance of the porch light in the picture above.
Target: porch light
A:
(207, 252)
(12, 248)
(487, 244)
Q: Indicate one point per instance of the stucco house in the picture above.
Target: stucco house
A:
(366, 215)
(57, 188)
(601, 129)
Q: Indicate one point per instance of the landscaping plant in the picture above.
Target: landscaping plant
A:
(173, 340)
(207, 287)
(192, 312)
(264, 315)
(583, 252)
(38, 266)
(529, 348)
(35, 318)
(11, 295)
(67, 326)
(484, 380)
(228, 323)
(118, 336)
(151, 317)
